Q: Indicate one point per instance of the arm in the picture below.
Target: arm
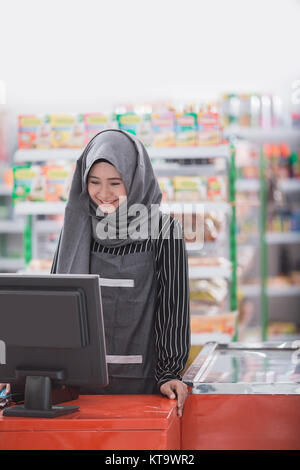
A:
(172, 328)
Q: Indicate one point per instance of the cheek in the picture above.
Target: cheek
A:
(91, 190)
(122, 191)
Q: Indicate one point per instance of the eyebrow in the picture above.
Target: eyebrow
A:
(96, 177)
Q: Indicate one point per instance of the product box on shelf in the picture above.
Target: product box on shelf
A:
(137, 124)
(58, 180)
(163, 128)
(218, 322)
(209, 129)
(208, 291)
(186, 129)
(216, 188)
(130, 122)
(34, 132)
(94, 123)
(29, 183)
(67, 130)
(166, 187)
(190, 188)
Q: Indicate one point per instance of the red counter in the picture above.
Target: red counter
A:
(241, 422)
(133, 422)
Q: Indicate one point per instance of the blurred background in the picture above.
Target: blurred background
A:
(213, 91)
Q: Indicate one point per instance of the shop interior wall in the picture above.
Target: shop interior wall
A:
(70, 56)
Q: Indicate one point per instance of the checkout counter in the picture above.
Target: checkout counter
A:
(103, 422)
(242, 396)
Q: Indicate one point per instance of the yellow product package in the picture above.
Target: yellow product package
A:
(166, 187)
(67, 130)
(189, 188)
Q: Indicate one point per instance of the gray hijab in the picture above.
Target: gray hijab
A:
(83, 220)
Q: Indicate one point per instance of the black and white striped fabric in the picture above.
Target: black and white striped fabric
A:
(172, 326)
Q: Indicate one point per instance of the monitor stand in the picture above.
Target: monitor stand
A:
(37, 402)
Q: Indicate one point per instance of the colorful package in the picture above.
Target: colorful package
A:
(222, 323)
(209, 130)
(189, 188)
(57, 182)
(216, 188)
(130, 122)
(145, 131)
(166, 187)
(67, 131)
(163, 128)
(186, 129)
(29, 183)
(34, 132)
(94, 123)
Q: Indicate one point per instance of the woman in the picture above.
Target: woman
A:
(106, 233)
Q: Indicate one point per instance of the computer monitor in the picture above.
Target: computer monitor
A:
(52, 333)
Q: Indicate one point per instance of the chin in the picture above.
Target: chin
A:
(107, 210)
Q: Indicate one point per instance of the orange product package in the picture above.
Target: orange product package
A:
(57, 182)
(216, 188)
(209, 129)
(34, 132)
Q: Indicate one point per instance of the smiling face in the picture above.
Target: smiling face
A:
(105, 186)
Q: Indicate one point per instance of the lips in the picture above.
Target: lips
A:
(107, 202)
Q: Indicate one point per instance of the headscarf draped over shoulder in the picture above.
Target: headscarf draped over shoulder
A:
(130, 158)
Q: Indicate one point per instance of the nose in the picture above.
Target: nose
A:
(104, 192)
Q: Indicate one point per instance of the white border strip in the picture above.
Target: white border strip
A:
(116, 282)
(124, 359)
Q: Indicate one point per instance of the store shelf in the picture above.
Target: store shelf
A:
(185, 170)
(210, 272)
(36, 208)
(251, 185)
(212, 151)
(47, 226)
(11, 226)
(194, 247)
(274, 238)
(272, 291)
(195, 207)
(274, 134)
(289, 185)
(11, 264)
(36, 155)
(50, 208)
(5, 190)
(201, 151)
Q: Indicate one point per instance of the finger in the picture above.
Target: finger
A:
(181, 397)
(167, 390)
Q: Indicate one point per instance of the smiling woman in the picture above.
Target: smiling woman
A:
(105, 186)
(147, 330)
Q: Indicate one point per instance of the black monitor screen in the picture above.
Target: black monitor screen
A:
(52, 326)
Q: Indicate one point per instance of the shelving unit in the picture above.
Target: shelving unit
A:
(267, 239)
(9, 229)
(221, 153)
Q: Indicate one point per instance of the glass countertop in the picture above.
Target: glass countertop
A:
(246, 368)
